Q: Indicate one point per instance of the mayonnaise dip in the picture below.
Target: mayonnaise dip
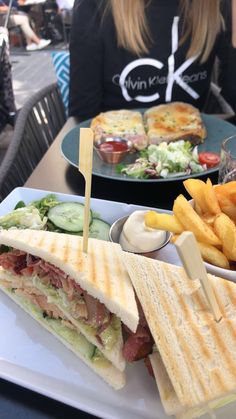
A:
(137, 237)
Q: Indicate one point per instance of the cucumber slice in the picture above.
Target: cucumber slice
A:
(68, 216)
(99, 229)
(73, 337)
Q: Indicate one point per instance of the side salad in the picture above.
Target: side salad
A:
(165, 160)
(51, 214)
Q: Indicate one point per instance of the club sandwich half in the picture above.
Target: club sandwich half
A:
(82, 298)
(194, 357)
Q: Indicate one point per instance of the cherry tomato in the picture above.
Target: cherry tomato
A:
(209, 158)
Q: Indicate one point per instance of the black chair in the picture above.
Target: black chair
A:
(37, 125)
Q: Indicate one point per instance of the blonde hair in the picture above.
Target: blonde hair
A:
(202, 21)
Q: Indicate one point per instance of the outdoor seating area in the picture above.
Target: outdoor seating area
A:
(28, 85)
(21, 75)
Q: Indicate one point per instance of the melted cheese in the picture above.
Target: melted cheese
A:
(119, 122)
(174, 120)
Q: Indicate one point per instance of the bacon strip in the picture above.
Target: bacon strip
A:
(91, 310)
(137, 345)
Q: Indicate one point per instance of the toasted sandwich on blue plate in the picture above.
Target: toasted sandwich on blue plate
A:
(174, 121)
(194, 357)
(82, 298)
(121, 123)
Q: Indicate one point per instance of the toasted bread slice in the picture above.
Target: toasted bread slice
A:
(121, 123)
(174, 121)
(198, 353)
(170, 400)
(100, 272)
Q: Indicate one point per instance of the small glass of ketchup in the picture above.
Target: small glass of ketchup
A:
(112, 149)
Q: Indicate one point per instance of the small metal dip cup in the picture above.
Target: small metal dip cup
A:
(115, 232)
(112, 157)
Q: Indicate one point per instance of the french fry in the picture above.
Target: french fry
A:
(230, 210)
(195, 188)
(161, 221)
(227, 201)
(174, 237)
(211, 198)
(212, 220)
(209, 219)
(226, 231)
(232, 197)
(209, 253)
(226, 188)
(198, 209)
(214, 256)
(191, 221)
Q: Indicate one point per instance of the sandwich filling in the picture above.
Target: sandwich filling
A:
(64, 303)
(138, 345)
(60, 298)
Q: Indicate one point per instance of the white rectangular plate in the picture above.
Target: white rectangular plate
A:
(33, 358)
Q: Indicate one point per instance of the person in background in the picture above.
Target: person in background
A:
(17, 18)
(141, 53)
(65, 8)
(65, 4)
(57, 18)
(234, 23)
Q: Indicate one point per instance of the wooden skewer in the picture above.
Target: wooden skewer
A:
(190, 255)
(85, 167)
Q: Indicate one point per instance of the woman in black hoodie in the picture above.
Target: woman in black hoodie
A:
(140, 53)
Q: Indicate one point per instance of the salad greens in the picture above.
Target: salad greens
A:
(24, 217)
(51, 214)
(44, 204)
(164, 160)
(33, 215)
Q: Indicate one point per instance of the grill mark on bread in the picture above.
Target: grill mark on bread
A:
(50, 245)
(120, 274)
(40, 241)
(220, 343)
(187, 314)
(232, 298)
(181, 342)
(163, 318)
(77, 254)
(198, 335)
(93, 265)
(180, 335)
(108, 279)
(230, 293)
(224, 350)
(219, 379)
(145, 292)
(65, 249)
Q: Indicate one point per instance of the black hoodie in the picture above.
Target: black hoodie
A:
(104, 77)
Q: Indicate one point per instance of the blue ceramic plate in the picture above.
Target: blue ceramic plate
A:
(217, 130)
